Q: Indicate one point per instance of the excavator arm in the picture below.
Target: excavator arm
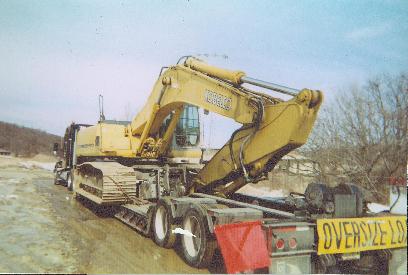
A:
(180, 85)
(270, 127)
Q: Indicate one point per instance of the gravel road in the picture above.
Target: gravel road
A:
(44, 229)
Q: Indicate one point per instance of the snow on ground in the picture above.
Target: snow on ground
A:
(262, 192)
(376, 207)
(35, 164)
(399, 201)
(8, 197)
(399, 207)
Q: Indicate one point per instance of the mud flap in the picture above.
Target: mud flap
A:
(243, 246)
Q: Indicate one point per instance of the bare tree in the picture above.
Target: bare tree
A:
(362, 138)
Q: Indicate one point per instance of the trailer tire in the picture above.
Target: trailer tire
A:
(198, 250)
(162, 225)
(70, 180)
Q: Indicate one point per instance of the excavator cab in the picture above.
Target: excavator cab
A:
(186, 138)
(187, 132)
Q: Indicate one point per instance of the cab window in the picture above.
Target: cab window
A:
(188, 128)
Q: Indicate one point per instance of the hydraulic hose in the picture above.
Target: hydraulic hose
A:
(255, 125)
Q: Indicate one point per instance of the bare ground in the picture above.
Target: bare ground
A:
(44, 229)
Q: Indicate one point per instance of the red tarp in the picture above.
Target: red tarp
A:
(243, 246)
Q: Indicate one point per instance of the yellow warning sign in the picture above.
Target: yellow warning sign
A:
(348, 235)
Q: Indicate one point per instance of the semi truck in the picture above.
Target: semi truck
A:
(160, 181)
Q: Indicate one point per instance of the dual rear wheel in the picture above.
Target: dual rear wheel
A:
(197, 244)
(163, 234)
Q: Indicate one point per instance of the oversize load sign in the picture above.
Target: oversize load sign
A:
(361, 234)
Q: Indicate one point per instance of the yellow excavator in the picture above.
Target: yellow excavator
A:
(270, 127)
(160, 181)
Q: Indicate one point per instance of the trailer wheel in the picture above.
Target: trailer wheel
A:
(198, 249)
(70, 180)
(163, 234)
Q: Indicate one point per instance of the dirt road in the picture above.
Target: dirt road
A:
(44, 229)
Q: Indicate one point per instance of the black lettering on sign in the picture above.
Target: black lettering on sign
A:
(404, 230)
(347, 233)
(382, 234)
(376, 224)
(401, 232)
(363, 226)
(393, 233)
(370, 239)
(356, 233)
(338, 235)
(327, 236)
(374, 235)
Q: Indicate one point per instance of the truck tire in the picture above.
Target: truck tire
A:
(56, 179)
(70, 180)
(163, 226)
(57, 174)
(198, 250)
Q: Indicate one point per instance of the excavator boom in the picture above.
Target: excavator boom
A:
(271, 127)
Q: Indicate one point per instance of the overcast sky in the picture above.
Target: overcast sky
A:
(57, 56)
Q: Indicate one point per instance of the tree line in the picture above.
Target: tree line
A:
(27, 142)
(361, 137)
